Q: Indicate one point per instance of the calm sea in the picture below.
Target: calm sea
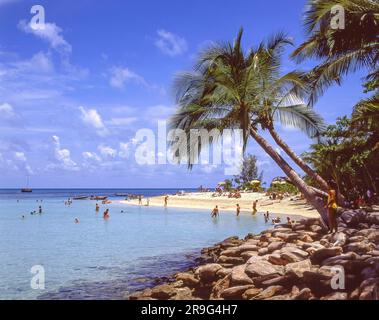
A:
(97, 258)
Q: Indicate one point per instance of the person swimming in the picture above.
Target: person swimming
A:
(276, 220)
(97, 207)
(215, 212)
(238, 209)
(77, 220)
(40, 209)
(106, 214)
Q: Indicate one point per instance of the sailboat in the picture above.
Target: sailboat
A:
(27, 189)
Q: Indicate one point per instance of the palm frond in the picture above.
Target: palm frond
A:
(302, 117)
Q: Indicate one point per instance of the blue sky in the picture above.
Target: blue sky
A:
(73, 96)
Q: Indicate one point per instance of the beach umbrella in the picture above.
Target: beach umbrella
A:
(276, 182)
(255, 181)
(222, 183)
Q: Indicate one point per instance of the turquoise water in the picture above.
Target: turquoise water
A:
(98, 259)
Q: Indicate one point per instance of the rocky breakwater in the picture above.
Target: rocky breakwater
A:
(286, 263)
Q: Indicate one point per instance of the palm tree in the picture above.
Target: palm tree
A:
(233, 89)
(366, 112)
(341, 50)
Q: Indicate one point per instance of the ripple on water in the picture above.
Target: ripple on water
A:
(146, 272)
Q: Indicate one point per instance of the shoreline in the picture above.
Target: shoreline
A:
(291, 205)
(283, 263)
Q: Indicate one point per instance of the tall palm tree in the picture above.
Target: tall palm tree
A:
(341, 51)
(233, 89)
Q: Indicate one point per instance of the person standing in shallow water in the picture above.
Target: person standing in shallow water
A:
(332, 206)
(215, 212)
(255, 206)
(238, 209)
(165, 201)
(97, 207)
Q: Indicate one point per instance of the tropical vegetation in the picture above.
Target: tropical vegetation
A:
(230, 87)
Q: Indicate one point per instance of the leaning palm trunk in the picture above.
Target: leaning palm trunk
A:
(323, 184)
(307, 191)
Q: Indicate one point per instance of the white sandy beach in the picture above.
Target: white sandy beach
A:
(204, 200)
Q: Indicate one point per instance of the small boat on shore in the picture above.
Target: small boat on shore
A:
(99, 198)
(80, 198)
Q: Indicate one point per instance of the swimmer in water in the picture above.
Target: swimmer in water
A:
(97, 207)
(39, 209)
(106, 214)
(77, 220)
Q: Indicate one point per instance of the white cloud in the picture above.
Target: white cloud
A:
(63, 156)
(20, 156)
(120, 76)
(124, 150)
(170, 43)
(91, 156)
(40, 63)
(121, 121)
(6, 111)
(50, 33)
(93, 119)
(159, 112)
(21, 162)
(208, 168)
(107, 151)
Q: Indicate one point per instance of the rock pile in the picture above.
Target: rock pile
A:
(287, 263)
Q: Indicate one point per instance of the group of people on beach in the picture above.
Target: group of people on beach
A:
(140, 197)
(331, 207)
(215, 213)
